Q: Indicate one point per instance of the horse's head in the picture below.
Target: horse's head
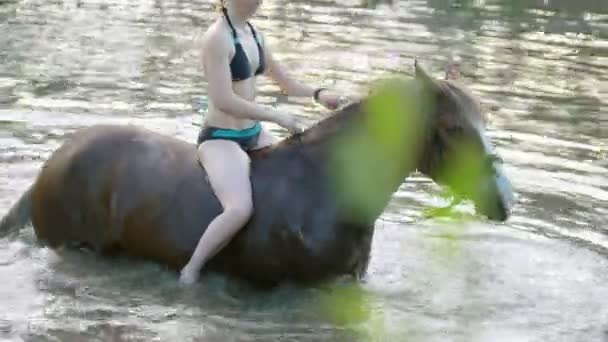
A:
(434, 126)
(458, 152)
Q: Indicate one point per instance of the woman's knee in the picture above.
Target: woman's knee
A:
(240, 212)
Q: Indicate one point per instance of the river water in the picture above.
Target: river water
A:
(540, 67)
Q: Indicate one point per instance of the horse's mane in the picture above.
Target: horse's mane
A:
(354, 111)
(326, 126)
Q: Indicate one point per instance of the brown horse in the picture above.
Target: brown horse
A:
(316, 194)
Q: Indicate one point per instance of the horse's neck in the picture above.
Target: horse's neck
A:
(358, 169)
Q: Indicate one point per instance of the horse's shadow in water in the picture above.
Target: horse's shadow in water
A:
(79, 270)
(99, 289)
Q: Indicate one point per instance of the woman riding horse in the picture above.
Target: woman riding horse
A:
(233, 54)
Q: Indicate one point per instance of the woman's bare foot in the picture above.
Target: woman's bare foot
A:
(188, 276)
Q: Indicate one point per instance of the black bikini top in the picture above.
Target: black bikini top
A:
(239, 66)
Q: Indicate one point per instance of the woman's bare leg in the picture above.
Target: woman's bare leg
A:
(227, 167)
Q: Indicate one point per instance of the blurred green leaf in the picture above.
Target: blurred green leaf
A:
(463, 168)
(374, 156)
(346, 304)
(352, 307)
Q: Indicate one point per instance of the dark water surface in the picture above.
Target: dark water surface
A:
(540, 67)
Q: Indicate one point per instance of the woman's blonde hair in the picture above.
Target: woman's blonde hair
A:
(220, 5)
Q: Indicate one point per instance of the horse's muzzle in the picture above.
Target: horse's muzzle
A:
(497, 197)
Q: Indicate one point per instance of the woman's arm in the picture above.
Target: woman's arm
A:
(292, 87)
(280, 75)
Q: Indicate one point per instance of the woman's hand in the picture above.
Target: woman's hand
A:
(330, 99)
(290, 122)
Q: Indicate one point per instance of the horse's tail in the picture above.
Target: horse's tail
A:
(18, 216)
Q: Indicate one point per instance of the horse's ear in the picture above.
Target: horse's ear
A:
(452, 71)
(422, 75)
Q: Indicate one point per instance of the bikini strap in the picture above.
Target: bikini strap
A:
(234, 35)
(255, 36)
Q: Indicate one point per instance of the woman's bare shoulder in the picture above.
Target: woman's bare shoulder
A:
(214, 36)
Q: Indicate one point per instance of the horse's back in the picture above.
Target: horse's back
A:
(72, 174)
(123, 187)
